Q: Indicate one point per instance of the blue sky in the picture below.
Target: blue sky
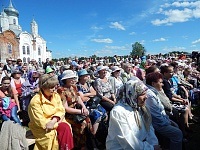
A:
(109, 27)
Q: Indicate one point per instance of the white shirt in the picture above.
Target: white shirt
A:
(123, 132)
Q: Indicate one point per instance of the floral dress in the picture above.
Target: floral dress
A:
(97, 114)
(70, 95)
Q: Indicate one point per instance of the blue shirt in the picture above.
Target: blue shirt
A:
(159, 116)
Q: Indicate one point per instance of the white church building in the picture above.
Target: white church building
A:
(16, 43)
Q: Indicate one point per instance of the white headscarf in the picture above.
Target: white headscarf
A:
(133, 89)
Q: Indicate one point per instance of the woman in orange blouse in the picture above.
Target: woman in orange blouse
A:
(71, 100)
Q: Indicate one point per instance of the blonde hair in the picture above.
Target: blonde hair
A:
(47, 81)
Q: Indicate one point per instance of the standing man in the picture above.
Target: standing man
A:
(46, 64)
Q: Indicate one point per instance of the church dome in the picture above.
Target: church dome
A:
(11, 11)
(33, 22)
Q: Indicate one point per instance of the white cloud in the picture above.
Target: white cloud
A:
(160, 40)
(107, 40)
(142, 42)
(132, 33)
(117, 25)
(96, 28)
(196, 41)
(175, 48)
(177, 12)
(117, 47)
(193, 46)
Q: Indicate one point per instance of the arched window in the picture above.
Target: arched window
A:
(24, 49)
(28, 50)
(24, 60)
(14, 21)
(9, 48)
(39, 51)
(28, 59)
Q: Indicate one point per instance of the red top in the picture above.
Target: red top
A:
(18, 88)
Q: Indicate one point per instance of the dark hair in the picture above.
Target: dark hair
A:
(165, 69)
(153, 77)
(150, 69)
(10, 92)
(174, 64)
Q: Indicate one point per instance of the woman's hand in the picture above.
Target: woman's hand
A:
(84, 111)
(50, 124)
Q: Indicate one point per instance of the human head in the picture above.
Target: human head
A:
(5, 82)
(151, 69)
(49, 71)
(167, 71)
(33, 76)
(155, 79)
(187, 71)
(9, 60)
(24, 68)
(16, 74)
(135, 93)
(115, 71)
(127, 68)
(83, 75)
(69, 77)
(140, 73)
(19, 62)
(102, 70)
(46, 81)
(47, 84)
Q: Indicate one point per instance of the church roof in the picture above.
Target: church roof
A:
(11, 11)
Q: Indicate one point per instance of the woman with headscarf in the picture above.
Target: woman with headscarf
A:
(29, 89)
(137, 132)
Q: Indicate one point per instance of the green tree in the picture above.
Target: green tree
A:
(138, 49)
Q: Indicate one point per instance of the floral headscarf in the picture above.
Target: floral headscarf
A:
(133, 89)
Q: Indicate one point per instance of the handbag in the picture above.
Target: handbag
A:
(93, 102)
(79, 118)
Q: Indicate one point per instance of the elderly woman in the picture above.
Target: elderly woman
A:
(47, 121)
(161, 122)
(137, 132)
(127, 74)
(104, 89)
(116, 80)
(74, 106)
(87, 92)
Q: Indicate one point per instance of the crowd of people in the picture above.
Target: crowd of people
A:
(118, 103)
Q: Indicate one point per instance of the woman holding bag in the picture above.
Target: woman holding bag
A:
(104, 89)
(87, 93)
(74, 106)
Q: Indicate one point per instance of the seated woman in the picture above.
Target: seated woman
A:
(46, 114)
(135, 133)
(73, 106)
(87, 92)
(116, 81)
(160, 120)
(9, 104)
(104, 89)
